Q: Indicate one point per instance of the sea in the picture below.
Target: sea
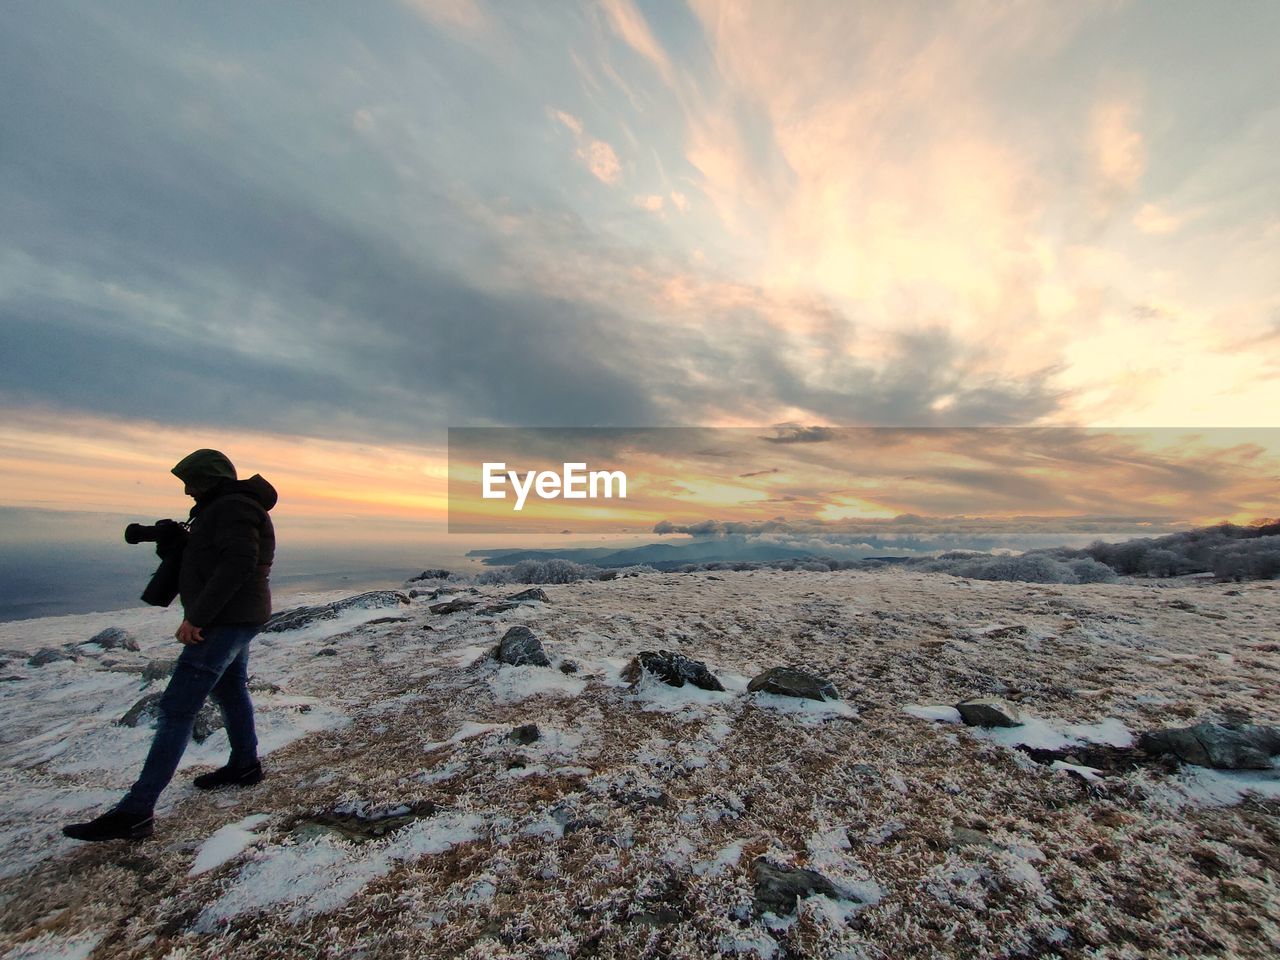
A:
(52, 580)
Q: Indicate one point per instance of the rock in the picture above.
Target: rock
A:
(114, 638)
(526, 733)
(378, 620)
(569, 666)
(441, 591)
(651, 797)
(794, 682)
(533, 593)
(608, 575)
(158, 670)
(146, 711)
(779, 888)
(519, 646)
(500, 607)
(671, 668)
(327, 652)
(433, 574)
(1099, 756)
(357, 827)
(452, 606)
(964, 837)
(48, 655)
(657, 917)
(582, 823)
(988, 712)
(1236, 747)
(299, 617)
(262, 686)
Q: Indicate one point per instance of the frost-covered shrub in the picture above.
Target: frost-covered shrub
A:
(1230, 550)
(1158, 562)
(557, 571)
(636, 570)
(1029, 568)
(1249, 560)
(540, 571)
(1089, 570)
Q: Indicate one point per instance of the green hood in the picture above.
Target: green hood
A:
(204, 468)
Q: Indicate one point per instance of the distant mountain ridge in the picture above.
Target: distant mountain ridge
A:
(658, 555)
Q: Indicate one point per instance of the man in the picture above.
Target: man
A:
(226, 598)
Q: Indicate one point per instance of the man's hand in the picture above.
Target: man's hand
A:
(189, 634)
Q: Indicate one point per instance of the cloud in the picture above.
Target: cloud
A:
(1153, 219)
(570, 121)
(652, 202)
(1118, 150)
(794, 433)
(629, 24)
(601, 161)
(385, 230)
(465, 14)
(597, 155)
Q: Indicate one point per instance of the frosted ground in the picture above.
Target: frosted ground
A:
(632, 825)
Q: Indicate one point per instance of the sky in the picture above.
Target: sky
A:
(315, 235)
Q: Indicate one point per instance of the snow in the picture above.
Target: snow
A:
(52, 946)
(933, 712)
(322, 874)
(513, 684)
(58, 722)
(738, 772)
(227, 844)
(725, 858)
(1034, 731)
(1091, 774)
(467, 731)
(803, 709)
(1207, 787)
(756, 943)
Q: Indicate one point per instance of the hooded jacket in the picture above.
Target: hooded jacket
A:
(226, 566)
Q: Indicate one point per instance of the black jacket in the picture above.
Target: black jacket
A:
(226, 565)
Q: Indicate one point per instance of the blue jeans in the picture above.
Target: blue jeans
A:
(218, 667)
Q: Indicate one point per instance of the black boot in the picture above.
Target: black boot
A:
(112, 825)
(230, 776)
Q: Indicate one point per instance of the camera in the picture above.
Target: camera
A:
(170, 538)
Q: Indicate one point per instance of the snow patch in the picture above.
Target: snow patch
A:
(51, 946)
(803, 709)
(927, 711)
(1038, 733)
(513, 684)
(323, 874)
(1206, 787)
(226, 843)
